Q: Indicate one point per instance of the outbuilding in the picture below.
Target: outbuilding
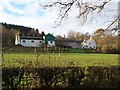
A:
(50, 40)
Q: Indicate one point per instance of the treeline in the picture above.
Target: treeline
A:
(106, 41)
(20, 28)
(9, 32)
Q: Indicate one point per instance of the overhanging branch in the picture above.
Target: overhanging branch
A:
(84, 8)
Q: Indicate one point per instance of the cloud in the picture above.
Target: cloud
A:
(17, 5)
(9, 8)
(29, 13)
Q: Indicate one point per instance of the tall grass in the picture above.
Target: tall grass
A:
(59, 60)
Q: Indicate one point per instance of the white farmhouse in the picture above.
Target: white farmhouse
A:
(90, 44)
(28, 40)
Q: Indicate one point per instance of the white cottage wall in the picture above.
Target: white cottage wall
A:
(17, 40)
(31, 43)
(51, 43)
(91, 43)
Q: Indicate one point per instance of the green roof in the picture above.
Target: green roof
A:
(49, 37)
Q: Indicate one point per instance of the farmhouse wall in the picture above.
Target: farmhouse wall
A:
(51, 43)
(31, 43)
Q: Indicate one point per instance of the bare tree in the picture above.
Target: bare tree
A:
(106, 43)
(84, 8)
(74, 35)
(8, 36)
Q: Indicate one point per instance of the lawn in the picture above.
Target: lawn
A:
(58, 60)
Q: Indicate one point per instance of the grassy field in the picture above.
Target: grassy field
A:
(20, 49)
(58, 60)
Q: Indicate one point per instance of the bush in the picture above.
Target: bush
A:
(64, 77)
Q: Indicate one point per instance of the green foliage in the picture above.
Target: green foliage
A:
(66, 70)
(12, 77)
(64, 77)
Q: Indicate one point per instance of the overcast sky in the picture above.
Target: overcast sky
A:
(29, 13)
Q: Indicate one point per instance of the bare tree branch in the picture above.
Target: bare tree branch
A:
(116, 20)
(84, 8)
(113, 29)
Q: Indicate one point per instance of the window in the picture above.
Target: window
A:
(51, 41)
(32, 41)
(40, 41)
(24, 41)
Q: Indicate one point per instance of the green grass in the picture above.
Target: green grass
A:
(20, 49)
(77, 50)
(58, 60)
